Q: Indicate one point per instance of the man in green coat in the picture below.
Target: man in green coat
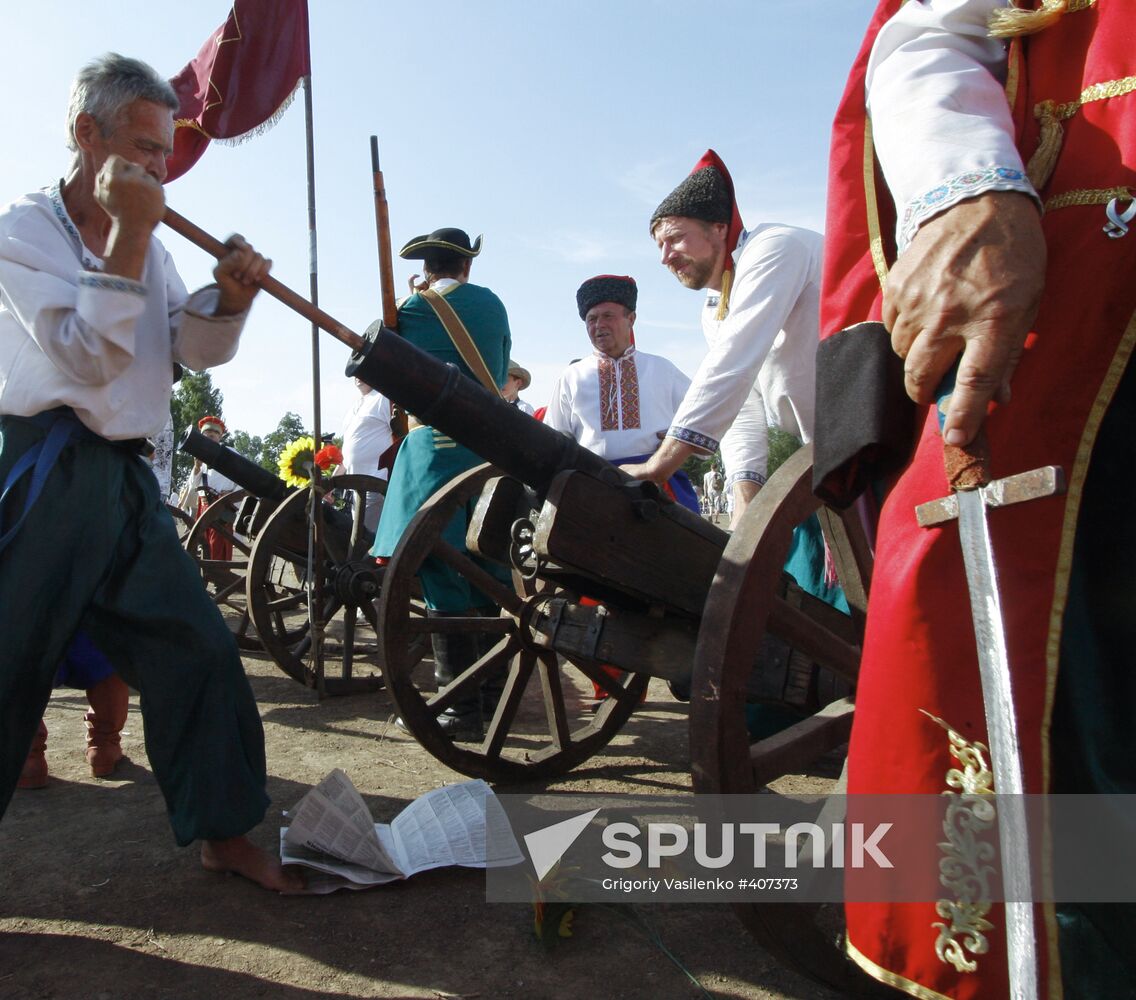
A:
(429, 459)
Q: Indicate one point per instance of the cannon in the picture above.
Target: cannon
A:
(570, 525)
(267, 590)
(668, 593)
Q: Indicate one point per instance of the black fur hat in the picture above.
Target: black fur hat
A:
(619, 288)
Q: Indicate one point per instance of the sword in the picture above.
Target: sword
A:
(972, 492)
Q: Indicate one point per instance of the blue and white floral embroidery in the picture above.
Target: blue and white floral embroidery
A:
(745, 477)
(694, 437)
(954, 190)
(110, 282)
(89, 260)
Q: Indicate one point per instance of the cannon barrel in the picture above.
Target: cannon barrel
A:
(247, 475)
(439, 395)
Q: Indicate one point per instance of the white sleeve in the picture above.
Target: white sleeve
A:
(559, 414)
(83, 321)
(940, 119)
(775, 270)
(200, 339)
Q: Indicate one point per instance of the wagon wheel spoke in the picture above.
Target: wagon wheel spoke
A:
(554, 702)
(488, 585)
(506, 712)
(471, 679)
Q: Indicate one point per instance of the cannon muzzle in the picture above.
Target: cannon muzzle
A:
(247, 475)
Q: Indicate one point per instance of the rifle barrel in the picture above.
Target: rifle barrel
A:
(382, 229)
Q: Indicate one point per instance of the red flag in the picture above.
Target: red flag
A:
(243, 78)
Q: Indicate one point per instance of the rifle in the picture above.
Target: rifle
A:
(386, 285)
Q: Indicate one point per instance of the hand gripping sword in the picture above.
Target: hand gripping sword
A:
(972, 492)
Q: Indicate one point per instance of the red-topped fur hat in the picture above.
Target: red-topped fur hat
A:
(211, 424)
(707, 193)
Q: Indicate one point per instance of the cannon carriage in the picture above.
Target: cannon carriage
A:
(606, 572)
(324, 635)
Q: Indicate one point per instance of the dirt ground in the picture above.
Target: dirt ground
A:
(98, 902)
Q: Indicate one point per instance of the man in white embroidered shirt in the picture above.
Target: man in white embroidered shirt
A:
(93, 317)
(760, 320)
(619, 401)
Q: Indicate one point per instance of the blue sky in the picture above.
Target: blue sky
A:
(552, 128)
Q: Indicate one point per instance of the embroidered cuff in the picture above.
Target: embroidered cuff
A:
(703, 441)
(111, 283)
(953, 190)
(745, 477)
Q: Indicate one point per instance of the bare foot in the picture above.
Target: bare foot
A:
(241, 857)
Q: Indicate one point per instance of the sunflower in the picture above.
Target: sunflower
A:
(296, 461)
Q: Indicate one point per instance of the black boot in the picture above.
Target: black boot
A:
(454, 652)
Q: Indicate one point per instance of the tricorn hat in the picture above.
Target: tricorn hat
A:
(521, 373)
(448, 240)
(618, 288)
(211, 423)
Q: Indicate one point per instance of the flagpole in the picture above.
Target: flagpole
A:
(315, 536)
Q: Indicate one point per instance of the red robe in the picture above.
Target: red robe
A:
(919, 654)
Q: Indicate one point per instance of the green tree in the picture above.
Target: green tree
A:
(289, 428)
(194, 397)
(697, 465)
(247, 445)
(782, 444)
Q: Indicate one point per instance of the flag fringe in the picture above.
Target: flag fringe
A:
(265, 125)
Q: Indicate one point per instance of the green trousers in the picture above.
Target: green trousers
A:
(99, 551)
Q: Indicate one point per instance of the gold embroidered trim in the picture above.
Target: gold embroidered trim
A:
(1050, 115)
(724, 295)
(877, 971)
(1012, 22)
(875, 237)
(964, 869)
(1013, 71)
(1080, 197)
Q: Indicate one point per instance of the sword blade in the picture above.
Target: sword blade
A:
(1005, 750)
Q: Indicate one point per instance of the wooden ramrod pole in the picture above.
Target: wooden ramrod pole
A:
(278, 290)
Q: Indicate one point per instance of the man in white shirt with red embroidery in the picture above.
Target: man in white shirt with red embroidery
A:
(618, 402)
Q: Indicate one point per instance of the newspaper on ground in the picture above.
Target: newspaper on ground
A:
(332, 832)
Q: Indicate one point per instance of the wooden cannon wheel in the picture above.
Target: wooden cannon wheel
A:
(225, 578)
(544, 723)
(743, 603)
(182, 521)
(279, 594)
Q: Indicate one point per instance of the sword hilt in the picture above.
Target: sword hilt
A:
(968, 466)
(968, 470)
